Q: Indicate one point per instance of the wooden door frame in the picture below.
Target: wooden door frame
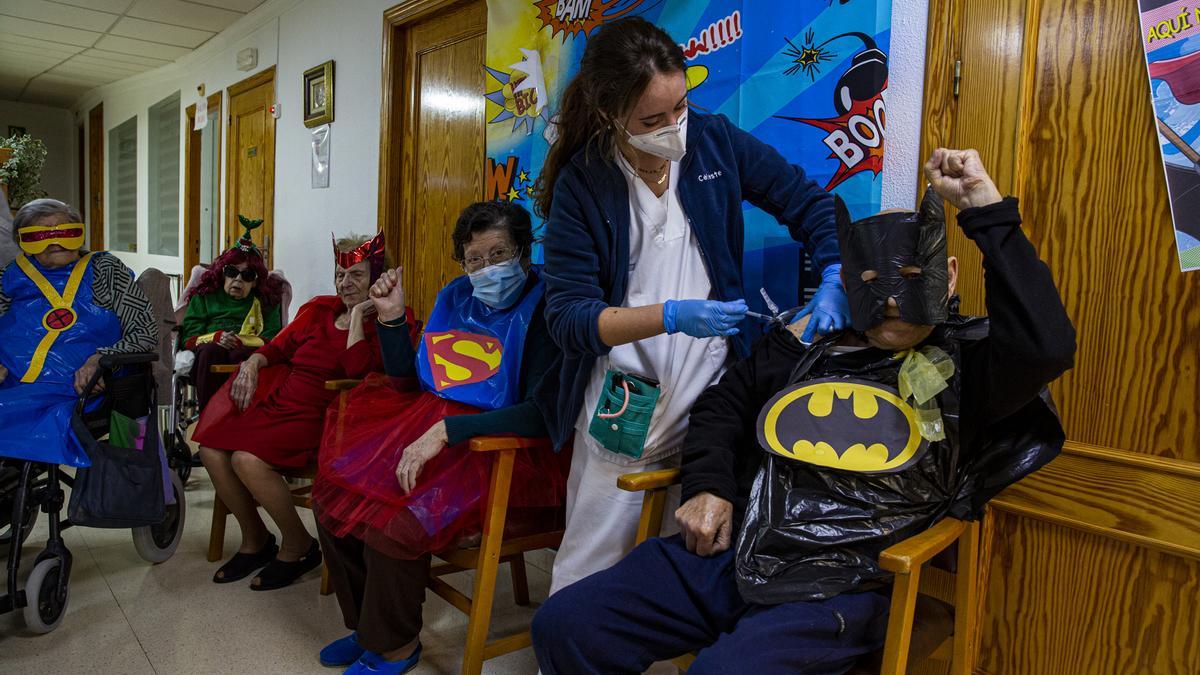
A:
(255, 80)
(191, 183)
(397, 102)
(95, 192)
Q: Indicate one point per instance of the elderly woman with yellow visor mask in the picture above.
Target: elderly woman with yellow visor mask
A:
(61, 307)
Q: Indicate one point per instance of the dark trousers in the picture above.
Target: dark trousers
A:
(212, 354)
(662, 601)
(380, 596)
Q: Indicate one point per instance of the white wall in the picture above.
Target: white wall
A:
(295, 35)
(905, 98)
(56, 128)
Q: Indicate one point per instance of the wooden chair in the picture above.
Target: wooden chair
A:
(934, 641)
(493, 548)
(301, 497)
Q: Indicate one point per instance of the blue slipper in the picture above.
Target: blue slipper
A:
(342, 652)
(370, 662)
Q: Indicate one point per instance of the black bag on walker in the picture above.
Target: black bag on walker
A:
(123, 488)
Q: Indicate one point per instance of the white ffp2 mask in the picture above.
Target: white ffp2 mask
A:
(669, 142)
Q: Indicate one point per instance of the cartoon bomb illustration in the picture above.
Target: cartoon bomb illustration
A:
(865, 79)
(855, 135)
(847, 424)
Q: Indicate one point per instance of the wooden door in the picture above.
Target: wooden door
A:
(432, 150)
(192, 180)
(95, 202)
(1094, 562)
(250, 159)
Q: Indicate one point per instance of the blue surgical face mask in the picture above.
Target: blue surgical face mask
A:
(499, 286)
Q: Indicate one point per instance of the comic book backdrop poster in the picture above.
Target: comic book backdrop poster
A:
(1171, 36)
(805, 77)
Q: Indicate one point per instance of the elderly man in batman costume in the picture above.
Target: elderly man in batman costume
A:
(817, 458)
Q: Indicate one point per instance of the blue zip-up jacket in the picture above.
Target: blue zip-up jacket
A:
(587, 236)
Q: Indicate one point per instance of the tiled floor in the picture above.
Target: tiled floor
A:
(127, 616)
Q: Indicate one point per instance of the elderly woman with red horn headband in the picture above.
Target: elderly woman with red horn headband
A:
(269, 417)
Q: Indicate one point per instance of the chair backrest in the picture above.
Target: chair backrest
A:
(285, 302)
(193, 281)
(157, 287)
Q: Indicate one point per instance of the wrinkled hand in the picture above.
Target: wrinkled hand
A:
(244, 385)
(388, 294)
(85, 373)
(959, 177)
(420, 451)
(829, 307)
(363, 309)
(703, 318)
(3, 374)
(706, 523)
(230, 341)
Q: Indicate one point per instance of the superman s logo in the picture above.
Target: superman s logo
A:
(457, 358)
(852, 425)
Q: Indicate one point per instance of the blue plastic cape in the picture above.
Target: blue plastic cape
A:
(471, 353)
(36, 417)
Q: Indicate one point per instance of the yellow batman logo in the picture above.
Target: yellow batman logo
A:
(851, 425)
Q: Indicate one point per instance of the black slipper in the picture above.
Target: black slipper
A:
(279, 573)
(242, 565)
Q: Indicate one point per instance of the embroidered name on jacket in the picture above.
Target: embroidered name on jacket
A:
(710, 176)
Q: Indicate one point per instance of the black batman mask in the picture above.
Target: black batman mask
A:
(898, 255)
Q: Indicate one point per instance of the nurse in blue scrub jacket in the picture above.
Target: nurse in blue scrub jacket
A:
(643, 201)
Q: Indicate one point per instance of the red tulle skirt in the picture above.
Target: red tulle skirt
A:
(356, 492)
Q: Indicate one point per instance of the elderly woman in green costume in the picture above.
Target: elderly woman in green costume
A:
(233, 310)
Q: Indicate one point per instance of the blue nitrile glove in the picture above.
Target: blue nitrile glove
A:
(830, 308)
(703, 318)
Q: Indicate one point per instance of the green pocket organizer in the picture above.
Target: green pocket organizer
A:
(623, 413)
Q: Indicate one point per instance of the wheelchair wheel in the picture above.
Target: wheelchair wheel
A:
(179, 455)
(9, 484)
(45, 609)
(6, 521)
(157, 543)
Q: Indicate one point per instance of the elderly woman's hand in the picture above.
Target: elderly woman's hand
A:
(244, 385)
(230, 341)
(388, 294)
(85, 372)
(420, 451)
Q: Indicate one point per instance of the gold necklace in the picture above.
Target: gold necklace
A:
(650, 172)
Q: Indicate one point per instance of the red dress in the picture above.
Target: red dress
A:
(283, 424)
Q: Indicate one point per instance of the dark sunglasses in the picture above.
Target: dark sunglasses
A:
(232, 272)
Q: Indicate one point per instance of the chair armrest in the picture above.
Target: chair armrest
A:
(915, 551)
(648, 480)
(224, 368)
(341, 385)
(110, 361)
(498, 443)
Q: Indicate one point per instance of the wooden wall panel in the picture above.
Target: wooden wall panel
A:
(1093, 562)
(1098, 210)
(1064, 601)
(986, 112)
(1135, 498)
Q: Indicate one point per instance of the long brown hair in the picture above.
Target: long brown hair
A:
(617, 65)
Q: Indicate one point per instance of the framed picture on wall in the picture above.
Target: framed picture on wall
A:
(318, 95)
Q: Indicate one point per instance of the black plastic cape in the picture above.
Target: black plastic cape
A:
(811, 533)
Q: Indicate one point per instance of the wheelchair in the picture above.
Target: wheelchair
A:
(27, 488)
